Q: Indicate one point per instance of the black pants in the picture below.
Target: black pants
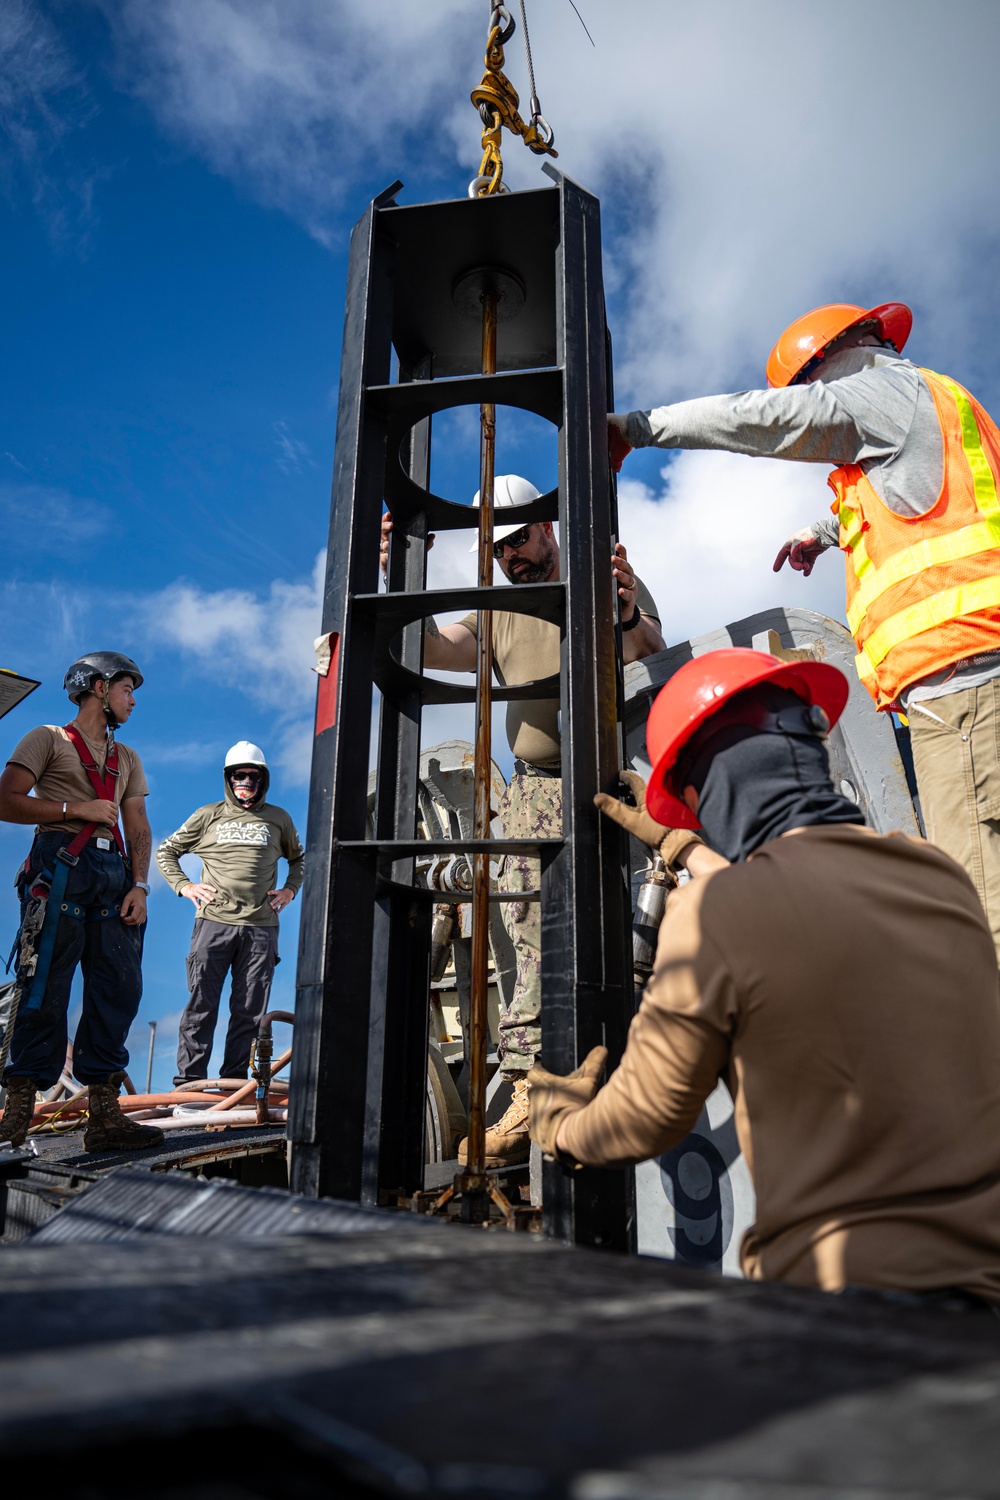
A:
(93, 935)
(216, 947)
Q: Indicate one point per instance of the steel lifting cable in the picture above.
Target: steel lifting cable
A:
(537, 118)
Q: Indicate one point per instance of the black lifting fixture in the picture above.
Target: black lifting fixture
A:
(417, 280)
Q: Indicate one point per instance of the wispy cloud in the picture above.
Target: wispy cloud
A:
(43, 519)
(45, 623)
(43, 100)
(293, 454)
(185, 753)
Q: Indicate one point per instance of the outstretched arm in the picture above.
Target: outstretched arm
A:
(804, 422)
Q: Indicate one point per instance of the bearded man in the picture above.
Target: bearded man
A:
(526, 649)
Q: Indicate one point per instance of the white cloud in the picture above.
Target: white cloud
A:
(293, 98)
(258, 644)
(754, 160)
(705, 544)
(261, 644)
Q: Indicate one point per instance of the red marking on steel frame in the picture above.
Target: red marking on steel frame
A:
(326, 698)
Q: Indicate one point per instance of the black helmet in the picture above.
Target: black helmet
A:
(107, 664)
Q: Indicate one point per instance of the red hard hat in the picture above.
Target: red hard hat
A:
(810, 335)
(699, 689)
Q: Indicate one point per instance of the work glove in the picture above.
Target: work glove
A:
(551, 1097)
(669, 843)
(801, 550)
(619, 446)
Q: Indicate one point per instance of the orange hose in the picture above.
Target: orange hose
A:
(199, 1085)
(249, 1088)
(78, 1104)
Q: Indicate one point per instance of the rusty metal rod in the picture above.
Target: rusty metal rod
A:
(475, 1204)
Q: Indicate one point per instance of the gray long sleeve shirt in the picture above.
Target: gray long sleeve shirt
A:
(869, 406)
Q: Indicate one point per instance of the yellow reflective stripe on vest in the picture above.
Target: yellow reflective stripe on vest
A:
(866, 674)
(950, 604)
(854, 540)
(983, 479)
(983, 536)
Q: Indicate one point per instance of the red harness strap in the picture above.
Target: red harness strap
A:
(104, 786)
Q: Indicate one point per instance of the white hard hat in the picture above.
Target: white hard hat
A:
(245, 754)
(508, 489)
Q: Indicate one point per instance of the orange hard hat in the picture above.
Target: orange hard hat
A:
(807, 337)
(699, 689)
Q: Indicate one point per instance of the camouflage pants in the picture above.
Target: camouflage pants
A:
(531, 808)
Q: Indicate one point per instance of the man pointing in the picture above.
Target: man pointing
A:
(916, 481)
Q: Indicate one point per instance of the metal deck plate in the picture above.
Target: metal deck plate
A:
(460, 1361)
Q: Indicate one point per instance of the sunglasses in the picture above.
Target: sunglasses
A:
(245, 776)
(515, 540)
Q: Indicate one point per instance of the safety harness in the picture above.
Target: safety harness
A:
(46, 896)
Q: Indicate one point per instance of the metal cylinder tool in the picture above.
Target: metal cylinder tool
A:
(650, 906)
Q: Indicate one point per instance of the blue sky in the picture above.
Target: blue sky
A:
(177, 185)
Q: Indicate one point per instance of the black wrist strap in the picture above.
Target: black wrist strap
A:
(633, 622)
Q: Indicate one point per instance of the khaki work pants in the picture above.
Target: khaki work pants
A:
(958, 776)
(531, 808)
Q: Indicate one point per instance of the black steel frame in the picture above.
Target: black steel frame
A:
(358, 1075)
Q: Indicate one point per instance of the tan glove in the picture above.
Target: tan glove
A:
(670, 843)
(551, 1097)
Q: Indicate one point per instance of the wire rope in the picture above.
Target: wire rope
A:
(536, 107)
(583, 23)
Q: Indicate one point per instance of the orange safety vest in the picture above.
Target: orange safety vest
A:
(924, 591)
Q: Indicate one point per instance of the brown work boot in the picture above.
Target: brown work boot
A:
(507, 1142)
(18, 1110)
(108, 1129)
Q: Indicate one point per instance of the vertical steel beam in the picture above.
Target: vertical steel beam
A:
(586, 978)
(396, 1094)
(327, 1091)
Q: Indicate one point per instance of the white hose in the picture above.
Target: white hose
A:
(196, 1118)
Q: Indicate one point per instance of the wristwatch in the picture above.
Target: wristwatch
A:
(140, 885)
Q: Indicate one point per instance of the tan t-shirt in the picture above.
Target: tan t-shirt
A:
(526, 649)
(845, 985)
(51, 757)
